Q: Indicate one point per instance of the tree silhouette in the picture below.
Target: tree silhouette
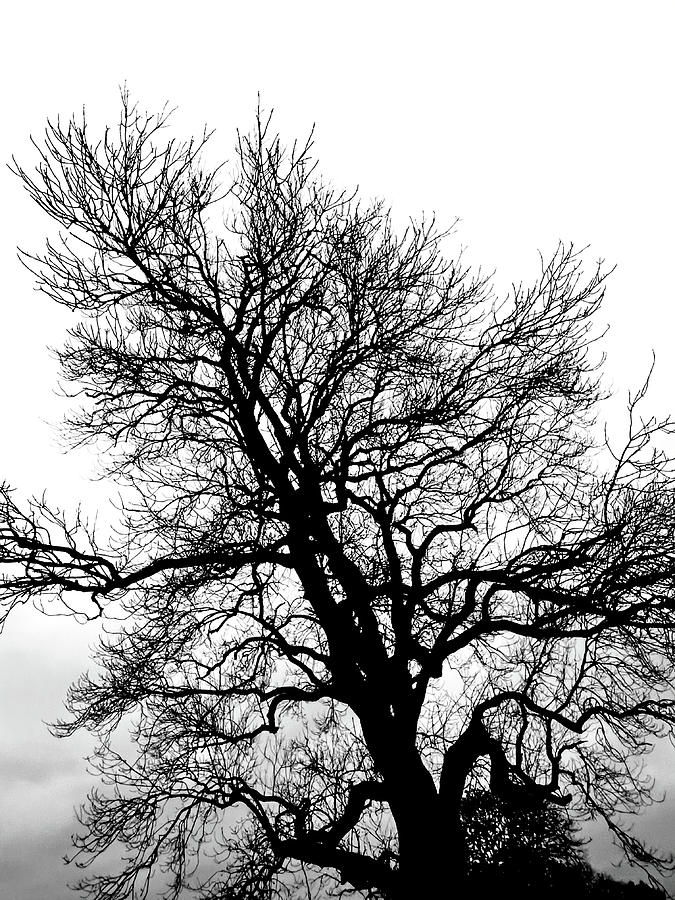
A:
(370, 549)
(523, 847)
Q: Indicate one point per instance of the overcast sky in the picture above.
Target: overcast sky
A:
(530, 121)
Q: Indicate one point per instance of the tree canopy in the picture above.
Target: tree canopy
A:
(371, 553)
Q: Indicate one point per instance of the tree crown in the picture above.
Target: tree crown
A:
(370, 551)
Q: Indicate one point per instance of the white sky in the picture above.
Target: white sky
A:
(531, 121)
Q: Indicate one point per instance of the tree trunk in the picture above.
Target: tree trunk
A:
(433, 862)
(432, 847)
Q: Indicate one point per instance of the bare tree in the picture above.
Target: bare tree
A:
(371, 552)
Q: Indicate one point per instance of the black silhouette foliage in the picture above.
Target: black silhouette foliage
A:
(521, 847)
